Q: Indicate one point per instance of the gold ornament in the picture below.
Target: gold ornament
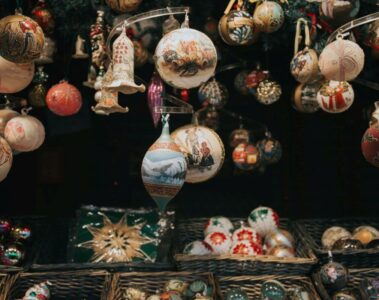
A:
(268, 92)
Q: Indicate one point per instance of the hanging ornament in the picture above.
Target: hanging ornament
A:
(170, 24)
(122, 6)
(209, 117)
(21, 39)
(64, 99)
(14, 77)
(185, 58)
(39, 291)
(20, 234)
(6, 158)
(5, 228)
(268, 16)
(246, 157)
(334, 276)
(246, 248)
(240, 82)
(44, 17)
(164, 168)
(370, 145)
(123, 67)
(333, 234)
(341, 60)
(373, 39)
(155, 93)
(218, 223)
(13, 254)
(335, 96)
(270, 150)
(273, 290)
(5, 115)
(254, 78)
(365, 234)
(268, 92)
(339, 12)
(37, 94)
(213, 93)
(48, 51)
(239, 136)
(141, 55)
(24, 133)
(98, 34)
(304, 98)
(264, 220)
(80, 51)
(198, 248)
(220, 242)
(203, 150)
(245, 233)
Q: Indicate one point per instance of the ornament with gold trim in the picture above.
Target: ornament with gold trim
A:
(246, 157)
(304, 98)
(268, 92)
(268, 16)
(279, 237)
(15, 77)
(37, 93)
(335, 96)
(213, 93)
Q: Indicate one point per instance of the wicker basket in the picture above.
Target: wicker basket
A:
(192, 229)
(3, 279)
(355, 278)
(65, 285)
(311, 233)
(252, 284)
(151, 282)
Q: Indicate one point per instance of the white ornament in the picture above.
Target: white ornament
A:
(220, 242)
(218, 223)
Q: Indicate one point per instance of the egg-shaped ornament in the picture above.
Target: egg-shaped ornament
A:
(304, 98)
(246, 248)
(245, 233)
(213, 93)
(370, 145)
(44, 17)
(185, 58)
(339, 12)
(122, 6)
(163, 168)
(6, 158)
(365, 234)
(335, 96)
(333, 275)
(246, 157)
(21, 39)
(268, 92)
(304, 66)
(14, 77)
(5, 115)
(268, 16)
(24, 133)
(64, 99)
(264, 220)
(220, 241)
(341, 60)
(270, 149)
(239, 136)
(240, 82)
(333, 234)
(203, 150)
(237, 28)
(198, 248)
(218, 223)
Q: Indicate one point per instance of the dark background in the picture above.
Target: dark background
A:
(91, 159)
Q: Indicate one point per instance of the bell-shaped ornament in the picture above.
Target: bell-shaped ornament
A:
(123, 67)
(80, 52)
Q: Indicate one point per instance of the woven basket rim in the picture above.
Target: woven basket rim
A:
(66, 273)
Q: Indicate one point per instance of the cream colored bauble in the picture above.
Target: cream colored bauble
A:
(5, 115)
(304, 66)
(14, 77)
(24, 133)
(268, 16)
(341, 60)
(6, 158)
(185, 58)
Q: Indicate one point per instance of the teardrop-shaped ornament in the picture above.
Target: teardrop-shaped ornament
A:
(155, 96)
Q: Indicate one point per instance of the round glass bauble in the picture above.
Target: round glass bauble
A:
(64, 99)
(246, 156)
(269, 16)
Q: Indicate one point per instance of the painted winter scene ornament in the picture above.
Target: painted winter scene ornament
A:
(164, 168)
(218, 223)
(264, 220)
(203, 150)
(335, 96)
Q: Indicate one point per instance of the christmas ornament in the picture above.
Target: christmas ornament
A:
(14, 77)
(335, 96)
(203, 150)
(270, 150)
(209, 117)
(198, 248)
(245, 233)
(334, 276)
(281, 251)
(6, 159)
(239, 136)
(123, 67)
(218, 223)
(122, 6)
(185, 58)
(273, 290)
(134, 294)
(5, 227)
(370, 145)
(246, 248)
(220, 242)
(80, 51)
(268, 16)
(170, 24)
(37, 93)
(164, 168)
(211, 28)
(213, 93)
(333, 234)
(341, 60)
(116, 242)
(98, 40)
(176, 285)
(199, 287)
(21, 39)
(373, 39)
(246, 156)
(268, 92)
(279, 237)
(264, 220)
(39, 291)
(44, 17)
(236, 294)
(13, 255)
(141, 55)
(240, 82)
(5, 115)
(155, 93)
(64, 99)
(304, 98)
(20, 233)
(365, 234)
(24, 133)
(148, 32)
(339, 12)
(253, 79)
(345, 244)
(345, 294)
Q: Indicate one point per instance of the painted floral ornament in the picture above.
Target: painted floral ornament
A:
(304, 98)
(5, 115)
(246, 157)
(268, 16)
(270, 149)
(246, 248)
(268, 92)
(15, 77)
(333, 234)
(6, 158)
(273, 290)
(203, 150)
(164, 168)
(220, 241)
(245, 233)
(155, 92)
(64, 99)
(370, 145)
(213, 93)
(123, 5)
(198, 248)
(264, 220)
(218, 223)
(40, 291)
(341, 60)
(335, 96)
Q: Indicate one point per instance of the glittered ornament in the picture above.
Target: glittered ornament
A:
(253, 79)
(304, 98)
(14, 77)
(268, 92)
(213, 93)
(198, 248)
(164, 168)
(335, 96)
(339, 12)
(264, 220)
(240, 82)
(333, 234)
(220, 241)
(268, 16)
(246, 248)
(20, 233)
(341, 60)
(279, 237)
(203, 150)
(281, 251)
(44, 17)
(273, 290)
(64, 99)
(38, 91)
(347, 244)
(13, 255)
(185, 58)
(123, 5)
(270, 149)
(245, 233)
(239, 136)
(246, 156)
(236, 294)
(333, 275)
(5, 227)
(38, 291)
(21, 39)
(218, 223)
(365, 234)
(155, 92)
(370, 145)
(5, 115)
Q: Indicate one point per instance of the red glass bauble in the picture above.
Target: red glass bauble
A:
(44, 17)
(370, 145)
(64, 99)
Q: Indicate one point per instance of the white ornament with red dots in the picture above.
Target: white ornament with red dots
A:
(245, 233)
(198, 248)
(246, 248)
(220, 241)
(218, 223)
(264, 220)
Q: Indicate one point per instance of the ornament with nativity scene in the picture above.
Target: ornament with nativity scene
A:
(304, 97)
(64, 99)
(339, 12)
(15, 77)
(213, 93)
(335, 96)
(38, 91)
(155, 91)
(236, 27)
(333, 275)
(270, 149)
(370, 140)
(40, 291)
(268, 16)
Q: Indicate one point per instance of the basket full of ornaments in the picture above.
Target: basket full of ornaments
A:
(260, 244)
(353, 241)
